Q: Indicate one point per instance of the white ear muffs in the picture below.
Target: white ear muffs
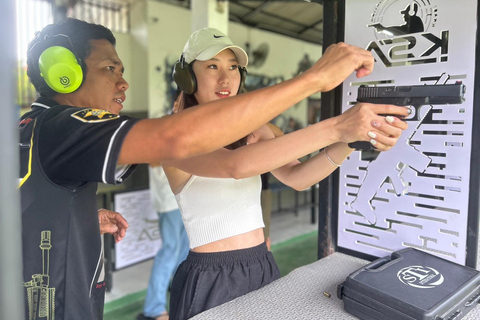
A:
(413, 9)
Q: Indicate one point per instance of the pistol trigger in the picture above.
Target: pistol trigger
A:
(411, 113)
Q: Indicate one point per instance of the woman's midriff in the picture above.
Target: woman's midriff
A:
(241, 241)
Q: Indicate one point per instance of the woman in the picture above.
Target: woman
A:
(219, 193)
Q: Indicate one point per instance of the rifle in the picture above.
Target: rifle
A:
(415, 96)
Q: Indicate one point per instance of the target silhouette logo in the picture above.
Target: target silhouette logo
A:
(65, 81)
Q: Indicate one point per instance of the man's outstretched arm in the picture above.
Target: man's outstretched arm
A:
(210, 126)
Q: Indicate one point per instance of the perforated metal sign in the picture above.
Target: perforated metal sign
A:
(417, 194)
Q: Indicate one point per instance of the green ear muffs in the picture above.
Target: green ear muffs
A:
(60, 69)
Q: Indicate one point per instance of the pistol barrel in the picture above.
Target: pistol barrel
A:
(413, 95)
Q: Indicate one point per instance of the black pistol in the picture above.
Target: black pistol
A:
(415, 96)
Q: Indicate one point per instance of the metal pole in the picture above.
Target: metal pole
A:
(11, 290)
(325, 243)
(333, 30)
(474, 198)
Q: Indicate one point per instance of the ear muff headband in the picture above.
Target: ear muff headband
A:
(60, 69)
(185, 79)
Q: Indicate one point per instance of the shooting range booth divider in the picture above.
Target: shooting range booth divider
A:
(444, 220)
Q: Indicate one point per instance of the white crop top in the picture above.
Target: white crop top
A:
(219, 208)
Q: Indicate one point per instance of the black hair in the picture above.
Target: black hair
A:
(79, 34)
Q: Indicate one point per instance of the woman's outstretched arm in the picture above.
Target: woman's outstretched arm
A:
(269, 153)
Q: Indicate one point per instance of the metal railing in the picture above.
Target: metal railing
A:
(32, 16)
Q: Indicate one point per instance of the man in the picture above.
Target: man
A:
(74, 137)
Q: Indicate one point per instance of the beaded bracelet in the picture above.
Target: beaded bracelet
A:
(330, 159)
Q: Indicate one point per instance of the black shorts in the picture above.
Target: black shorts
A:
(206, 280)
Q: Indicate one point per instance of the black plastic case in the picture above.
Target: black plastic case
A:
(411, 285)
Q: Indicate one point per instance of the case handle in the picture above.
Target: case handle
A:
(377, 263)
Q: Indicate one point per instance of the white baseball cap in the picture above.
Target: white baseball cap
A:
(206, 43)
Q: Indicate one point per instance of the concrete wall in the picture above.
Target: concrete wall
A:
(159, 32)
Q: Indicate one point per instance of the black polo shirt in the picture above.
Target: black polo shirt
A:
(64, 152)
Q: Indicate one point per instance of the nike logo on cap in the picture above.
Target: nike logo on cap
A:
(216, 37)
